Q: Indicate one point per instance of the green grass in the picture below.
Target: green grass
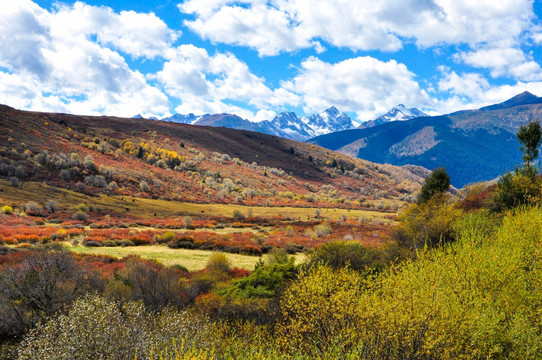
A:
(191, 259)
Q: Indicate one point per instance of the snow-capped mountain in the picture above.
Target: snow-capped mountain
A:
(139, 116)
(285, 124)
(289, 125)
(228, 121)
(328, 121)
(398, 113)
(184, 119)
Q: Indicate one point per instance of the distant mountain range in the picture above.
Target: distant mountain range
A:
(289, 125)
(473, 145)
(398, 113)
(286, 124)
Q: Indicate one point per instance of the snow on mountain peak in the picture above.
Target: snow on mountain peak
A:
(397, 113)
(285, 124)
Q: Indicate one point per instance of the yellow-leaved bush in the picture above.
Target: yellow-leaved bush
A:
(321, 307)
(480, 297)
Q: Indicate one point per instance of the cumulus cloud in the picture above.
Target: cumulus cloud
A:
(208, 83)
(364, 85)
(58, 67)
(503, 60)
(275, 26)
(263, 115)
(473, 90)
(73, 58)
(137, 34)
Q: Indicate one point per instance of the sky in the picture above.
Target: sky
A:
(257, 58)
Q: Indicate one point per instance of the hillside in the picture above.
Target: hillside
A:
(154, 159)
(474, 145)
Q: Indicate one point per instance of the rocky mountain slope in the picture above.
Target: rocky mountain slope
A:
(398, 113)
(473, 145)
(285, 124)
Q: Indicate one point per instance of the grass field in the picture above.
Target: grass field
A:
(191, 259)
(150, 208)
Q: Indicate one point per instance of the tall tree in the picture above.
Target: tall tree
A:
(437, 183)
(530, 137)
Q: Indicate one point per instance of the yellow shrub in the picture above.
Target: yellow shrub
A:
(428, 224)
(322, 305)
(6, 209)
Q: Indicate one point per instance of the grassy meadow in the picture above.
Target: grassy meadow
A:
(193, 260)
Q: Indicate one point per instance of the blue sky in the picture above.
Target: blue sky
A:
(256, 58)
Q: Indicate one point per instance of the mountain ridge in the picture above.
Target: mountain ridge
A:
(285, 124)
(397, 113)
(473, 145)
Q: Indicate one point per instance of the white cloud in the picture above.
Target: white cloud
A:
(472, 91)
(137, 34)
(274, 26)
(22, 37)
(210, 83)
(74, 58)
(537, 36)
(363, 85)
(503, 60)
(50, 57)
(263, 115)
(466, 84)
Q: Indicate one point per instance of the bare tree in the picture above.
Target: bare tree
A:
(41, 285)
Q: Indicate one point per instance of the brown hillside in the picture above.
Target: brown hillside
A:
(144, 158)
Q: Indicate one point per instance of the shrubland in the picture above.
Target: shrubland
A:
(475, 297)
(451, 282)
(455, 279)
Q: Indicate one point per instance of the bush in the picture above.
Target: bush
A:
(6, 209)
(437, 183)
(340, 254)
(516, 189)
(238, 216)
(219, 262)
(321, 308)
(182, 244)
(179, 267)
(51, 206)
(81, 187)
(81, 216)
(31, 207)
(125, 243)
(150, 282)
(187, 222)
(96, 328)
(276, 256)
(323, 229)
(264, 281)
(144, 186)
(65, 175)
(428, 224)
(167, 237)
(15, 182)
(42, 284)
(92, 243)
